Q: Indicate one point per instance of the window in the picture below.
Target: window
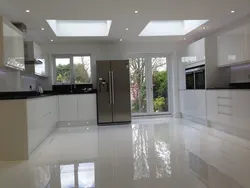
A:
(82, 69)
(73, 70)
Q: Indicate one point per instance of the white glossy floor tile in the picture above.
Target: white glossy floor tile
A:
(150, 153)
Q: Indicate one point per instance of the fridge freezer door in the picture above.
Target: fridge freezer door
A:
(104, 97)
(121, 91)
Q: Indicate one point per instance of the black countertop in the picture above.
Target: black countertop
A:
(33, 94)
(238, 86)
(225, 88)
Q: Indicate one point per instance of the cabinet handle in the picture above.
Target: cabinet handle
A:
(110, 88)
(113, 88)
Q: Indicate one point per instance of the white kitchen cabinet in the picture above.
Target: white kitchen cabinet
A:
(247, 42)
(12, 45)
(86, 105)
(68, 108)
(194, 53)
(193, 103)
(231, 47)
(42, 116)
(212, 105)
(77, 108)
(228, 110)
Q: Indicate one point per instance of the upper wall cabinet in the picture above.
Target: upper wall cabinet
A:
(233, 47)
(11, 46)
(194, 53)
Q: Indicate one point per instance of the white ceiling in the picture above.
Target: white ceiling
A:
(121, 12)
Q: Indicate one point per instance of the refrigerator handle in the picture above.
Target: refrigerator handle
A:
(113, 89)
(110, 90)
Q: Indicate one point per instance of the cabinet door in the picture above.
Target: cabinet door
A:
(13, 45)
(231, 47)
(247, 43)
(196, 51)
(86, 105)
(68, 108)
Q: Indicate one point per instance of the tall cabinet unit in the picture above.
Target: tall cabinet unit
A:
(11, 46)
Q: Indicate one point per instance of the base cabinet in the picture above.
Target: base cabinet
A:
(42, 116)
(80, 107)
(228, 110)
(67, 107)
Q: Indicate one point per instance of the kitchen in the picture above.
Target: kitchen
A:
(202, 81)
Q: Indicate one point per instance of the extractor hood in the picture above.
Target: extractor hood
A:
(32, 53)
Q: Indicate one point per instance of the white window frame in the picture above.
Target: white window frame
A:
(149, 85)
(72, 74)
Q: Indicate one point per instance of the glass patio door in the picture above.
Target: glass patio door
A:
(149, 85)
(159, 85)
(138, 86)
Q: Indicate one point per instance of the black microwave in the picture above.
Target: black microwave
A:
(195, 77)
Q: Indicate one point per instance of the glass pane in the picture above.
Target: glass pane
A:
(67, 176)
(63, 70)
(138, 85)
(82, 69)
(160, 84)
(86, 175)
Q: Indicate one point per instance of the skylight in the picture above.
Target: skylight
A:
(80, 28)
(171, 28)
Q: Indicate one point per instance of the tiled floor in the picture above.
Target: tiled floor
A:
(150, 153)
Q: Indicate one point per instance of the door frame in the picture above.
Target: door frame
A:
(149, 84)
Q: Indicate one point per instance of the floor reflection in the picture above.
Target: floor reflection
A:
(81, 175)
(140, 152)
(208, 175)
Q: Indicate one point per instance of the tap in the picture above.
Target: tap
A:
(72, 84)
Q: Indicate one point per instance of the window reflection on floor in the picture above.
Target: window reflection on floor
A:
(162, 152)
(140, 152)
(67, 176)
(86, 175)
(80, 175)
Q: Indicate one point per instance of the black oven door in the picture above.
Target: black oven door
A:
(200, 79)
(190, 80)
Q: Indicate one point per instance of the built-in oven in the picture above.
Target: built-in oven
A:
(195, 77)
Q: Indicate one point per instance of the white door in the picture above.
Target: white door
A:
(149, 85)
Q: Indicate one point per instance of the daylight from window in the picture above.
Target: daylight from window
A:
(78, 71)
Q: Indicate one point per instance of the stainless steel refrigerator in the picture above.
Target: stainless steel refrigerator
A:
(113, 92)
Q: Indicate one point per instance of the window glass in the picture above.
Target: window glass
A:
(82, 69)
(63, 70)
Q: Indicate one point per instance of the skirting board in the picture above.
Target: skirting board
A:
(194, 119)
(242, 133)
(76, 123)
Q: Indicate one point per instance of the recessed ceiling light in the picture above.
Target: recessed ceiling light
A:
(42, 29)
(136, 11)
(51, 40)
(204, 28)
(121, 40)
(126, 29)
(184, 39)
(27, 11)
(232, 11)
